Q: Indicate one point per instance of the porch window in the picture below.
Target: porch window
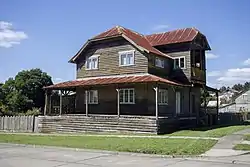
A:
(92, 97)
(127, 96)
(126, 58)
(163, 97)
(159, 62)
(179, 63)
(92, 62)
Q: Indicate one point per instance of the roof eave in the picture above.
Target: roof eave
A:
(73, 59)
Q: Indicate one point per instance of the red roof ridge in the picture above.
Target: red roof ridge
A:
(158, 33)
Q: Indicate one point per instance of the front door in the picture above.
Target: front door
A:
(178, 102)
(192, 104)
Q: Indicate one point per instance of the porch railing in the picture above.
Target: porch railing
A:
(198, 74)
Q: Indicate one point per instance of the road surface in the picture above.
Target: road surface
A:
(12, 155)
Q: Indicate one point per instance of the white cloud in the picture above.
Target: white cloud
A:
(235, 75)
(213, 73)
(246, 62)
(9, 36)
(160, 27)
(211, 56)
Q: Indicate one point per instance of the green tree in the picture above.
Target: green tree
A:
(25, 91)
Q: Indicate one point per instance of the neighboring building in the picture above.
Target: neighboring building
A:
(226, 97)
(240, 103)
(121, 72)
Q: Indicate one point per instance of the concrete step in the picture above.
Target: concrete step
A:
(99, 126)
(105, 123)
(96, 129)
(102, 120)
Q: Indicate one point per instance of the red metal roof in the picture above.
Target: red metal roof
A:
(135, 37)
(147, 42)
(176, 36)
(112, 80)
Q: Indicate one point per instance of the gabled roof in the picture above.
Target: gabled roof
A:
(144, 42)
(117, 79)
(171, 37)
(136, 39)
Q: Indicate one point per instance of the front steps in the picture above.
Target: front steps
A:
(97, 124)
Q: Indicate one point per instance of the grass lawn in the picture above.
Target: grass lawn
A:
(138, 145)
(247, 137)
(244, 147)
(215, 132)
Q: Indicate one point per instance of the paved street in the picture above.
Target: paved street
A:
(29, 156)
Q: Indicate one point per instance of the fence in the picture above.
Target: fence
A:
(18, 123)
(233, 118)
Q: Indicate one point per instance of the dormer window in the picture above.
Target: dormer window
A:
(179, 62)
(92, 62)
(159, 62)
(127, 58)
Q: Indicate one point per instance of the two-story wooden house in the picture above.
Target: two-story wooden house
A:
(123, 73)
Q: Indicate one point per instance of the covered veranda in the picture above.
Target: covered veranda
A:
(70, 91)
(210, 112)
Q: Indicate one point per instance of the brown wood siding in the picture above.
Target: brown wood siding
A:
(107, 101)
(164, 72)
(163, 110)
(182, 74)
(144, 101)
(109, 60)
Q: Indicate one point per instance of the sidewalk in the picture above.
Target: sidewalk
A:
(224, 146)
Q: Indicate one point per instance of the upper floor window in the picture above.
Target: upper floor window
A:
(179, 62)
(163, 96)
(92, 62)
(159, 62)
(127, 96)
(127, 58)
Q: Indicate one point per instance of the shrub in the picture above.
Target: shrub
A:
(34, 111)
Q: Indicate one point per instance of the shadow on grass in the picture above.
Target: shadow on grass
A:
(219, 126)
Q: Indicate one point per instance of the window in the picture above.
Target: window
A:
(159, 62)
(92, 97)
(163, 96)
(127, 96)
(92, 62)
(244, 96)
(126, 58)
(179, 63)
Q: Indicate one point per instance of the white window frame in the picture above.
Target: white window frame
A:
(126, 52)
(244, 97)
(91, 58)
(159, 62)
(123, 97)
(163, 97)
(91, 101)
(179, 59)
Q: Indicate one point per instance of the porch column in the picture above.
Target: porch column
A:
(156, 102)
(217, 107)
(50, 103)
(46, 102)
(118, 102)
(86, 101)
(60, 109)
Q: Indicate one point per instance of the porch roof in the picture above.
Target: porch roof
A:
(118, 79)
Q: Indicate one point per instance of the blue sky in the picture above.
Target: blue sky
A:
(46, 34)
